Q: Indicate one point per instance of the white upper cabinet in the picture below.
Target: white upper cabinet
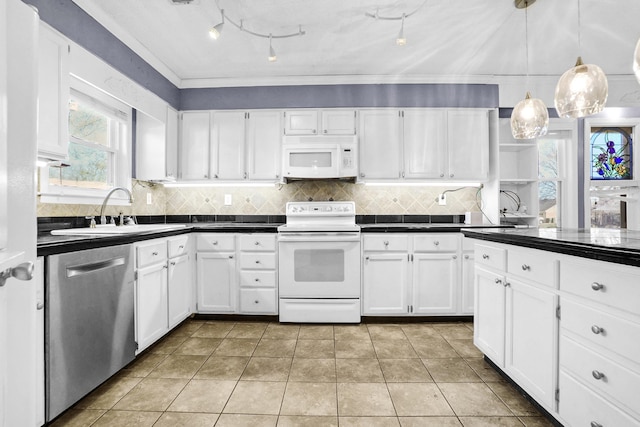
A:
(227, 144)
(194, 145)
(53, 95)
(264, 136)
(324, 122)
(468, 144)
(380, 144)
(425, 143)
(447, 144)
(154, 154)
(171, 155)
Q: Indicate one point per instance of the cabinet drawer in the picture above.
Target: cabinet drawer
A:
(533, 265)
(215, 242)
(436, 242)
(151, 252)
(386, 243)
(258, 279)
(258, 301)
(603, 329)
(491, 256)
(258, 242)
(257, 261)
(599, 373)
(607, 283)
(178, 246)
(580, 406)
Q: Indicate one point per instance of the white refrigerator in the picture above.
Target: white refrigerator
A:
(20, 389)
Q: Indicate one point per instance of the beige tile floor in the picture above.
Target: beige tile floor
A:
(208, 373)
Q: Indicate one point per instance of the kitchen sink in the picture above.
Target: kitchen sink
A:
(112, 229)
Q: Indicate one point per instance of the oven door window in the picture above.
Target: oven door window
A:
(319, 265)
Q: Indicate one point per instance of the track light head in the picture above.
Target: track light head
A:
(401, 40)
(272, 53)
(216, 30)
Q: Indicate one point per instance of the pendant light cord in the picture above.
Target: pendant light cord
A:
(579, 33)
(526, 37)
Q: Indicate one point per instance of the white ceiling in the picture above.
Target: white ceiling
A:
(447, 40)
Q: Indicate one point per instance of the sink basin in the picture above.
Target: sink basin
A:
(112, 229)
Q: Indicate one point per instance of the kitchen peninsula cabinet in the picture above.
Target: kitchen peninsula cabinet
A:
(406, 274)
(439, 144)
(230, 145)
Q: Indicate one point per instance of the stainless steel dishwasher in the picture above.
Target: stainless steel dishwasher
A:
(89, 322)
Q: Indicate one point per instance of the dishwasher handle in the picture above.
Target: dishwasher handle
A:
(79, 270)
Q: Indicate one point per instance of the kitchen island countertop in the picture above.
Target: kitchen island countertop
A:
(613, 245)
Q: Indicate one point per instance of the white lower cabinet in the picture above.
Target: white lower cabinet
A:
(163, 296)
(236, 273)
(489, 317)
(411, 274)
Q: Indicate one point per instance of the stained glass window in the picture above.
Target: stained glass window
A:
(611, 153)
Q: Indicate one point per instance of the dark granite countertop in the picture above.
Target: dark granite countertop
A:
(619, 246)
(49, 244)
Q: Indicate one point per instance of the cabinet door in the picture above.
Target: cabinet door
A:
(179, 285)
(425, 143)
(216, 282)
(435, 283)
(171, 159)
(302, 122)
(468, 264)
(530, 339)
(263, 143)
(151, 305)
(489, 317)
(227, 142)
(380, 144)
(150, 148)
(53, 95)
(468, 144)
(385, 284)
(338, 122)
(194, 145)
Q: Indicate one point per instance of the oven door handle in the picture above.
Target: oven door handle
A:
(319, 237)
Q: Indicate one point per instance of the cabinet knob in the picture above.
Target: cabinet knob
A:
(386, 243)
(315, 131)
(485, 256)
(597, 329)
(362, 175)
(257, 261)
(215, 242)
(597, 286)
(257, 243)
(215, 175)
(173, 263)
(181, 247)
(507, 284)
(498, 280)
(450, 175)
(466, 257)
(39, 306)
(256, 302)
(441, 175)
(257, 279)
(165, 266)
(230, 256)
(455, 257)
(597, 375)
(436, 243)
(326, 131)
(154, 253)
(526, 267)
(366, 258)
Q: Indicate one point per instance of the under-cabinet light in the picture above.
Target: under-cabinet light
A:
(219, 184)
(423, 184)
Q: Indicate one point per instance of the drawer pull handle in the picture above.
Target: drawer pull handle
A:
(257, 302)
(181, 247)
(595, 424)
(498, 280)
(466, 257)
(455, 257)
(257, 280)
(386, 243)
(173, 263)
(525, 267)
(215, 242)
(230, 256)
(597, 375)
(257, 243)
(507, 284)
(485, 256)
(154, 253)
(597, 286)
(165, 266)
(436, 243)
(257, 261)
(597, 329)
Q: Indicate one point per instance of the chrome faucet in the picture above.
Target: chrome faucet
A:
(103, 219)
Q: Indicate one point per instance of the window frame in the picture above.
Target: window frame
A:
(122, 153)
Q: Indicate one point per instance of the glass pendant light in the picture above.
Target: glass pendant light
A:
(529, 118)
(636, 62)
(582, 90)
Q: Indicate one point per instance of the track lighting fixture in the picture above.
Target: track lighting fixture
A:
(401, 40)
(215, 32)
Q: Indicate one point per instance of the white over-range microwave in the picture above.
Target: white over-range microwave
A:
(319, 157)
